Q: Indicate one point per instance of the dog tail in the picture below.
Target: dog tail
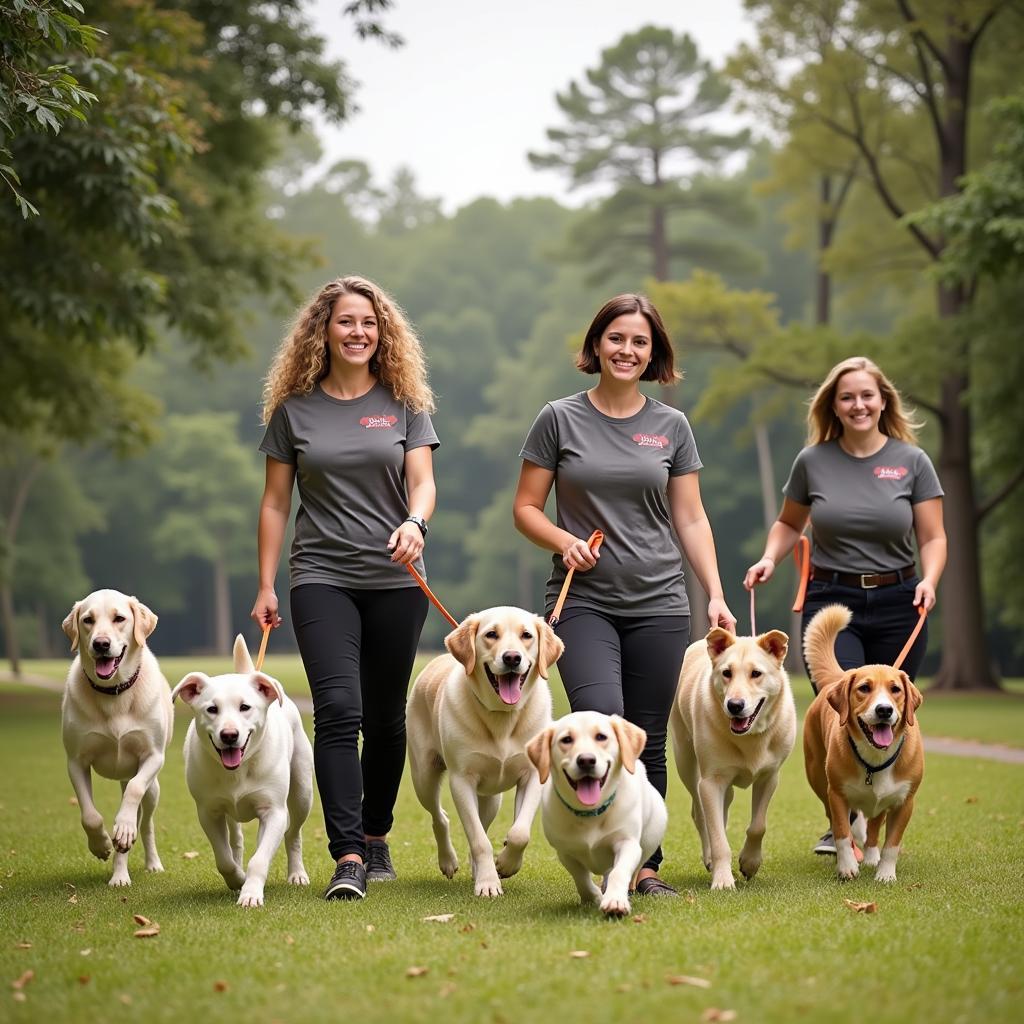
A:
(819, 644)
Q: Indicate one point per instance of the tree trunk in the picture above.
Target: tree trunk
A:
(222, 605)
(826, 227)
(524, 577)
(10, 630)
(10, 539)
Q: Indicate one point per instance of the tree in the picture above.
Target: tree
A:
(640, 122)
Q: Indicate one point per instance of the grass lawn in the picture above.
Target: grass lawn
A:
(946, 943)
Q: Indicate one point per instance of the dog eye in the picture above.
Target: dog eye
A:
(894, 688)
(243, 707)
(88, 620)
(755, 673)
(727, 672)
(864, 688)
(491, 634)
(600, 737)
(526, 635)
(212, 709)
(119, 618)
(565, 740)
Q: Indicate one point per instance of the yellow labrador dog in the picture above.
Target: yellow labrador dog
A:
(600, 812)
(733, 723)
(247, 756)
(116, 719)
(472, 712)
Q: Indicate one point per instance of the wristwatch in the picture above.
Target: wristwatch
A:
(419, 521)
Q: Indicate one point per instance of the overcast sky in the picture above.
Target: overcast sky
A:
(472, 90)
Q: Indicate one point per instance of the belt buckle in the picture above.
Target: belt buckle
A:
(868, 586)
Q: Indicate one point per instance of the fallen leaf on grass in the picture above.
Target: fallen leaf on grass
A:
(147, 933)
(971, 800)
(20, 983)
(72, 898)
(447, 989)
(439, 918)
(639, 918)
(85, 952)
(125, 998)
(220, 986)
(73, 800)
(23, 945)
(687, 979)
(624, 987)
(289, 940)
(468, 927)
(861, 908)
(370, 928)
(713, 1013)
(19, 997)
(190, 855)
(139, 919)
(416, 972)
(84, 979)
(579, 954)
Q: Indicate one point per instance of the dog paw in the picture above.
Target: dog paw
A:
(872, 855)
(100, 845)
(250, 897)
(235, 879)
(614, 905)
(298, 877)
(750, 864)
(886, 875)
(125, 833)
(723, 879)
(448, 863)
(487, 887)
(509, 861)
(154, 865)
(847, 874)
(119, 878)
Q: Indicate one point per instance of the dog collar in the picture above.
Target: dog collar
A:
(113, 691)
(872, 768)
(586, 814)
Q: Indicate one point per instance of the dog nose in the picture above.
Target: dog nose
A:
(228, 736)
(512, 659)
(101, 643)
(883, 711)
(586, 762)
(735, 705)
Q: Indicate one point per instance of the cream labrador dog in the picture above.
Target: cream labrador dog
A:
(600, 812)
(733, 723)
(472, 712)
(247, 756)
(116, 719)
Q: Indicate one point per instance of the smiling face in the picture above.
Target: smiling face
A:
(858, 403)
(874, 702)
(353, 331)
(108, 627)
(624, 349)
(747, 676)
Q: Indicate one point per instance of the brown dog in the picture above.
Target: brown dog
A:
(862, 747)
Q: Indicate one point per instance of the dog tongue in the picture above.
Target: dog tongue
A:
(588, 791)
(231, 757)
(882, 735)
(739, 724)
(105, 667)
(510, 688)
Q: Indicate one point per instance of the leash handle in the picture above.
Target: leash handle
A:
(263, 648)
(802, 557)
(594, 542)
(753, 623)
(430, 594)
(922, 614)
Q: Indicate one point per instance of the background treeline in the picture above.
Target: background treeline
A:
(147, 288)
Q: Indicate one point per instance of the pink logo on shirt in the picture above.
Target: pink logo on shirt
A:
(378, 422)
(651, 440)
(890, 472)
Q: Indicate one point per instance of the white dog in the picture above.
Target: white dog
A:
(116, 718)
(733, 723)
(247, 756)
(472, 711)
(600, 812)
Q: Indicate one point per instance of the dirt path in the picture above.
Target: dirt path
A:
(933, 744)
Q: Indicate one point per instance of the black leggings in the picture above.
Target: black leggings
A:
(630, 667)
(358, 648)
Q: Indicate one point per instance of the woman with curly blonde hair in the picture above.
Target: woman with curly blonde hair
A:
(347, 407)
(869, 493)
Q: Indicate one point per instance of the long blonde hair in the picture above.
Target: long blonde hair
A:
(303, 359)
(823, 424)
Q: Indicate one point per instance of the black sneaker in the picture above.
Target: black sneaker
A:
(348, 882)
(826, 845)
(378, 862)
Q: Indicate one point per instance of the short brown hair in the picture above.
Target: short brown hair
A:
(662, 365)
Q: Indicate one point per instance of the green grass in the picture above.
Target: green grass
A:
(945, 945)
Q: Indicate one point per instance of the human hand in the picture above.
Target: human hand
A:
(264, 611)
(579, 556)
(760, 572)
(719, 615)
(924, 595)
(406, 544)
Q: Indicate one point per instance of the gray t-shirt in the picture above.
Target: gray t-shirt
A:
(612, 475)
(862, 514)
(349, 458)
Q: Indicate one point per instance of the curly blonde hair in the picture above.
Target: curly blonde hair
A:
(823, 424)
(303, 358)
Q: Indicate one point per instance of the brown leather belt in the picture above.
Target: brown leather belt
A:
(864, 580)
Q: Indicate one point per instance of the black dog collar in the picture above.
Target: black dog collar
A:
(113, 691)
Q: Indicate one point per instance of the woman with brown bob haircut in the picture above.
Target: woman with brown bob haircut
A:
(626, 464)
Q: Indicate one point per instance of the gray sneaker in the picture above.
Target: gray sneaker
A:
(378, 862)
(826, 845)
(348, 882)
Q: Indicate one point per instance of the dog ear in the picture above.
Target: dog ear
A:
(461, 643)
(912, 699)
(774, 643)
(191, 687)
(270, 689)
(838, 696)
(70, 625)
(145, 620)
(632, 740)
(538, 750)
(719, 641)
(240, 653)
(551, 647)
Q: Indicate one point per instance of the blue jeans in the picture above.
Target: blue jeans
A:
(883, 619)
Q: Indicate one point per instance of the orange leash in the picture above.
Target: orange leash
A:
(430, 594)
(802, 557)
(922, 613)
(594, 542)
(263, 648)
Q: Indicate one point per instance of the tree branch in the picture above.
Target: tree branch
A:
(911, 19)
(1000, 496)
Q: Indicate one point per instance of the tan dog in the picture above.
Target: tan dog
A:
(116, 719)
(600, 812)
(473, 711)
(733, 723)
(862, 747)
